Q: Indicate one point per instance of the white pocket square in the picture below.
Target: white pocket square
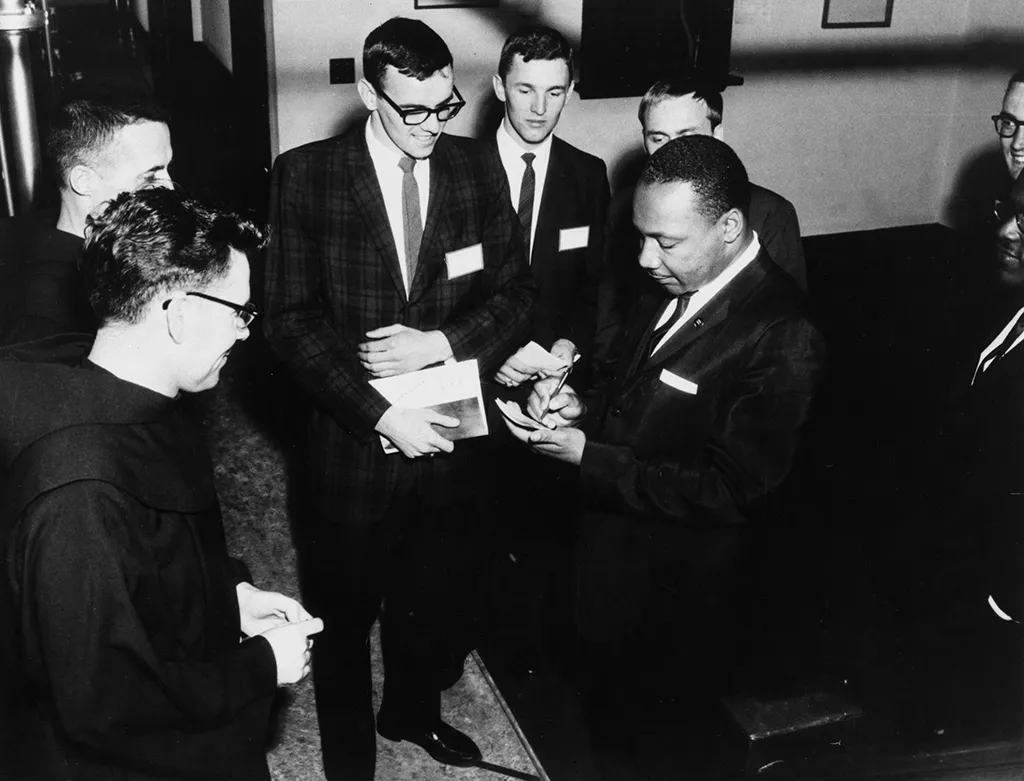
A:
(677, 382)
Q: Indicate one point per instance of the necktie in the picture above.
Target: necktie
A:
(412, 224)
(526, 193)
(681, 303)
(1000, 351)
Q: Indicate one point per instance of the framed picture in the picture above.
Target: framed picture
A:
(857, 13)
(455, 4)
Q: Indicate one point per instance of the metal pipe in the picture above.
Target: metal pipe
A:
(21, 154)
(48, 38)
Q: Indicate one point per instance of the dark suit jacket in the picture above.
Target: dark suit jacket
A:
(669, 478)
(979, 490)
(575, 195)
(41, 289)
(332, 275)
(774, 218)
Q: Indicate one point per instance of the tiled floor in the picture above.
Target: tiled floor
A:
(251, 480)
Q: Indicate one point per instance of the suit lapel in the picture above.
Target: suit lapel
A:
(549, 216)
(369, 199)
(440, 190)
(716, 311)
(1012, 362)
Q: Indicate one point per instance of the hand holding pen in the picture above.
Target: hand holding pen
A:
(542, 406)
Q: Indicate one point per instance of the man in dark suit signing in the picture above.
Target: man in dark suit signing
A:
(673, 108)
(681, 454)
(394, 248)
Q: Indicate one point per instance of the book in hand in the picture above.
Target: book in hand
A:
(452, 389)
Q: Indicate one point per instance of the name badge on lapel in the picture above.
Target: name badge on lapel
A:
(573, 238)
(464, 261)
(677, 382)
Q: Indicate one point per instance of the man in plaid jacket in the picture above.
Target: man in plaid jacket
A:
(394, 248)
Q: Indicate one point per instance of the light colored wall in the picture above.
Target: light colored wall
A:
(853, 149)
(216, 29)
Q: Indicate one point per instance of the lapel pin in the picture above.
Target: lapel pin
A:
(698, 323)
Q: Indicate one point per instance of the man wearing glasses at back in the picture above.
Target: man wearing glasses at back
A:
(395, 247)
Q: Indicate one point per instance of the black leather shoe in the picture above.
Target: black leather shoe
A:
(443, 742)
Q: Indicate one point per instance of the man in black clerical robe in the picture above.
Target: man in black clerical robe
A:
(123, 615)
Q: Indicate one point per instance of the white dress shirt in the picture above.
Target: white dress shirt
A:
(511, 154)
(385, 162)
(700, 298)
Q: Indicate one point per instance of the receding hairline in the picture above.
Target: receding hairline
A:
(657, 101)
(103, 155)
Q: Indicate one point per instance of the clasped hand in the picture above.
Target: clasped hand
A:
(397, 349)
(285, 625)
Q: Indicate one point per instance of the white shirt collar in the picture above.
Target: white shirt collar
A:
(511, 151)
(702, 296)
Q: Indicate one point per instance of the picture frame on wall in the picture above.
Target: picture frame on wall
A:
(857, 13)
(420, 4)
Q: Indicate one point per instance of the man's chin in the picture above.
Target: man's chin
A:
(1010, 268)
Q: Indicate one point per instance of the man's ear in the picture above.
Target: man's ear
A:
(733, 223)
(569, 92)
(82, 180)
(719, 132)
(499, 87)
(368, 94)
(174, 317)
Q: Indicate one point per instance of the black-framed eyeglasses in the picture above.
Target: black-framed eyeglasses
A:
(246, 313)
(1004, 211)
(1006, 126)
(417, 115)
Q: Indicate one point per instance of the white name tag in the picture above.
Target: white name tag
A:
(677, 382)
(573, 238)
(464, 261)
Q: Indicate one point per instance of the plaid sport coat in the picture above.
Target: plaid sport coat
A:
(332, 274)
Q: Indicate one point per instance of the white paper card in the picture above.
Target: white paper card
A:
(546, 363)
(573, 238)
(514, 413)
(464, 261)
(677, 382)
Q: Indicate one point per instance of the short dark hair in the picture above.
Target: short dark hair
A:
(709, 166)
(666, 89)
(407, 44)
(81, 129)
(535, 43)
(155, 240)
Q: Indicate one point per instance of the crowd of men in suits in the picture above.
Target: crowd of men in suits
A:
(395, 247)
